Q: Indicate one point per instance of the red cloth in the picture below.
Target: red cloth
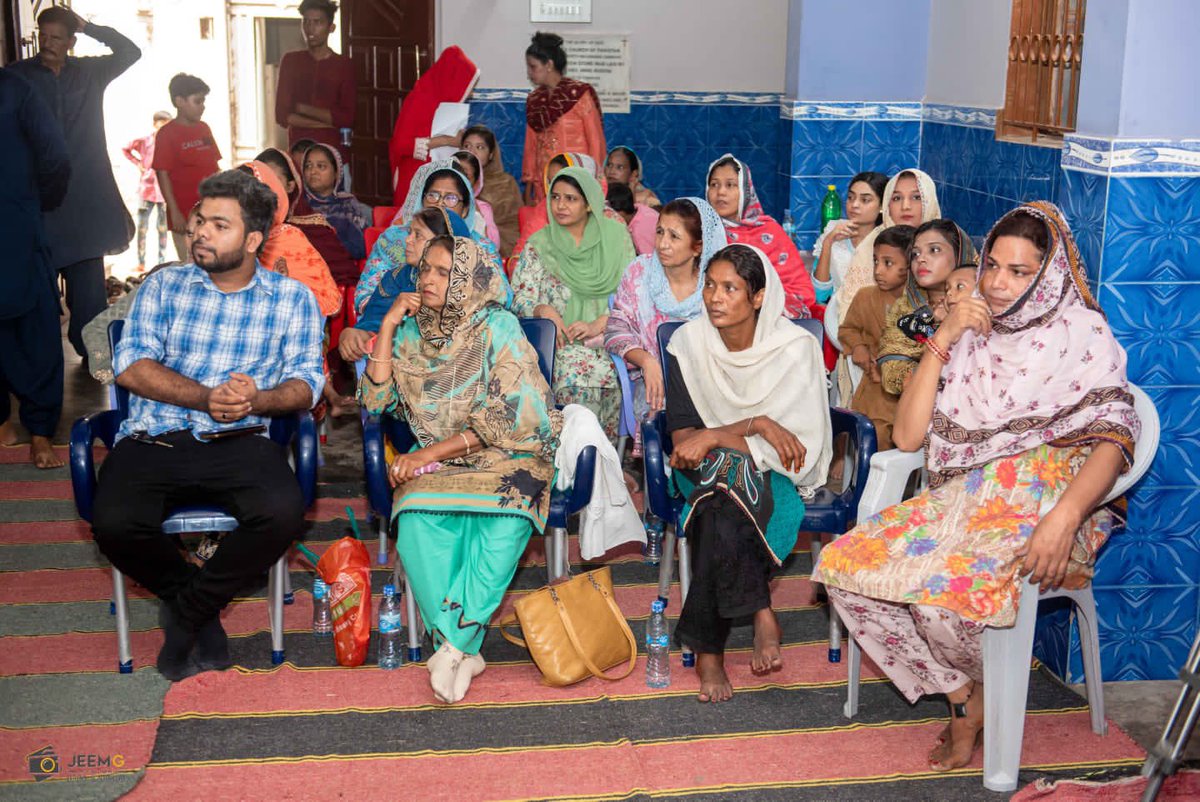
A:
(325, 84)
(544, 106)
(188, 154)
(324, 238)
(140, 151)
(767, 235)
(449, 80)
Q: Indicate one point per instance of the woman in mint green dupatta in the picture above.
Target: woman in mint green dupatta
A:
(566, 273)
(457, 366)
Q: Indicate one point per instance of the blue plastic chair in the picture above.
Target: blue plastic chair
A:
(296, 431)
(828, 511)
(542, 335)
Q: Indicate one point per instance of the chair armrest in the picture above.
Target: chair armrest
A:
(655, 450)
(628, 424)
(379, 491)
(297, 432)
(585, 478)
(889, 475)
(862, 435)
(97, 426)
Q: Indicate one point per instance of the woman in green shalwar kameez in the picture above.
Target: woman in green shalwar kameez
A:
(457, 366)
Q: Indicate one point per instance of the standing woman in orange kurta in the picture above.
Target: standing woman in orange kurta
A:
(561, 114)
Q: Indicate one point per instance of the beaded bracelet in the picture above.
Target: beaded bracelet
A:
(938, 351)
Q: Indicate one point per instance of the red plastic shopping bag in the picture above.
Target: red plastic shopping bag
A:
(346, 569)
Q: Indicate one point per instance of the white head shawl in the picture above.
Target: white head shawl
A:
(780, 376)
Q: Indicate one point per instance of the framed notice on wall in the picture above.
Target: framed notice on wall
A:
(601, 60)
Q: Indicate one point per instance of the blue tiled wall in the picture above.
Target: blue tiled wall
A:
(676, 135)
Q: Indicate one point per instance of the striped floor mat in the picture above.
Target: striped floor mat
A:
(310, 727)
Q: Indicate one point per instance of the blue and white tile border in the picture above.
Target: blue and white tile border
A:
(966, 116)
(1131, 158)
(849, 110)
(655, 97)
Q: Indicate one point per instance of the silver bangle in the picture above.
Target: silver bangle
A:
(466, 442)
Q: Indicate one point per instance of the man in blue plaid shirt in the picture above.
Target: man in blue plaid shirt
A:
(213, 347)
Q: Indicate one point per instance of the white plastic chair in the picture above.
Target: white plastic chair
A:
(1007, 650)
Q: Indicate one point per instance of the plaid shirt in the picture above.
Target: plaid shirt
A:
(270, 330)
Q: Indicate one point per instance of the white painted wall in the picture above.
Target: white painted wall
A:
(968, 52)
(681, 45)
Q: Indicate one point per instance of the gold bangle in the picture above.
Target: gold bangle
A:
(466, 442)
(373, 358)
(749, 424)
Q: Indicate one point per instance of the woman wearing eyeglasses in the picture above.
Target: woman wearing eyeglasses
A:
(437, 184)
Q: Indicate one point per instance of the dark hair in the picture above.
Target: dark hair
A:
(435, 221)
(548, 47)
(273, 157)
(726, 161)
(484, 133)
(442, 241)
(446, 172)
(184, 85)
(162, 116)
(634, 164)
(947, 229)
(57, 15)
(686, 211)
(897, 237)
(746, 263)
(328, 7)
(570, 180)
(1024, 225)
(469, 158)
(620, 198)
(878, 184)
(255, 198)
(302, 144)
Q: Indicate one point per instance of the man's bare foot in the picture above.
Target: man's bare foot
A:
(714, 682)
(966, 734)
(767, 657)
(8, 434)
(41, 453)
(343, 405)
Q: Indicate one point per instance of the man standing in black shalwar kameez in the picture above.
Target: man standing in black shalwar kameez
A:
(34, 173)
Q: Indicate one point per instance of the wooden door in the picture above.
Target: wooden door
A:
(391, 44)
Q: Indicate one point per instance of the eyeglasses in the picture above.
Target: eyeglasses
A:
(449, 198)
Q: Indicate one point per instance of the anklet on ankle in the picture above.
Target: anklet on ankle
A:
(959, 709)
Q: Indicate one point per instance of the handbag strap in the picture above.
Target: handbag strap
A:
(508, 621)
(574, 638)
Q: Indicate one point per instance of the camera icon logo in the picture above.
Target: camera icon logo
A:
(43, 763)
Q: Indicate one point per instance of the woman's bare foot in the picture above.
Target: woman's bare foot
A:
(343, 405)
(941, 745)
(8, 434)
(41, 453)
(714, 682)
(966, 733)
(767, 657)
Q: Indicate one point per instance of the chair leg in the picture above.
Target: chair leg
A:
(275, 584)
(410, 613)
(666, 569)
(835, 637)
(685, 582)
(562, 550)
(288, 596)
(1006, 654)
(382, 557)
(121, 610)
(853, 677)
(558, 563)
(1089, 642)
(551, 559)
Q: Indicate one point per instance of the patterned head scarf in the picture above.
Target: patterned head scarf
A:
(581, 160)
(750, 208)
(593, 267)
(475, 282)
(1050, 371)
(712, 233)
(965, 256)
(415, 200)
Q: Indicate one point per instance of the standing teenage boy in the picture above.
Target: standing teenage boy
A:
(184, 154)
(315, 96)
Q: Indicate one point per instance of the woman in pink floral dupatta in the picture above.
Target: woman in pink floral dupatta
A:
(1022, 403)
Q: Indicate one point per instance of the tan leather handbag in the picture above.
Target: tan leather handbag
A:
(574, 630)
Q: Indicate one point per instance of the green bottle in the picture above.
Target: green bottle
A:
(831, 207)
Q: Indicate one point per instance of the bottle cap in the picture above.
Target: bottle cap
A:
(657, 606)
(389, 590)
(833, 187)
(319, 583)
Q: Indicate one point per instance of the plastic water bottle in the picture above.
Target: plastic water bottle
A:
(390, 654)
(658, 647)
(789, 227)
(831, 207)
(322, 617)
(652, 553)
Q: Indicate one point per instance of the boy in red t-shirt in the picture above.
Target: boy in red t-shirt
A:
(184, 155)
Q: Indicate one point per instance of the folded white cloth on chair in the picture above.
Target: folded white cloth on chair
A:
(610, 518)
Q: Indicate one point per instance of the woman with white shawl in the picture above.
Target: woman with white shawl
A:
(749, 422)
